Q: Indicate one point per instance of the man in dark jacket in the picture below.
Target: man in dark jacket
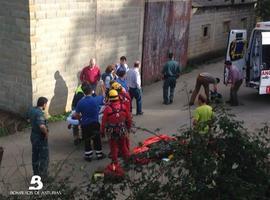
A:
(39, 138)
(171, 72)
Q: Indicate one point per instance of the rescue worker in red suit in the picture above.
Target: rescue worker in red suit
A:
(116, 122)
(125, 99)
(123, 95)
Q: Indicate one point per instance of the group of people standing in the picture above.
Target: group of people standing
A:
(129, 78)
(115, 90)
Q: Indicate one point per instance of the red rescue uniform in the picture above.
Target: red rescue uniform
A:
(116, 122)
(126, 100)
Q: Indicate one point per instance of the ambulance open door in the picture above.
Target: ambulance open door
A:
(236, 48)
(264, 87)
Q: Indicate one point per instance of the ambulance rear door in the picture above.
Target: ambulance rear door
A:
(236, 49)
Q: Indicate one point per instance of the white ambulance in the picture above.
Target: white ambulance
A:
(254, 60)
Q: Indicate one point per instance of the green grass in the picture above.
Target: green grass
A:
(59, 117)
(3, 131)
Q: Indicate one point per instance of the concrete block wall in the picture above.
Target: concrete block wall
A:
(119, 30)
(44, 44)
(15, 56)
(215, 16)
(66, 34)
(63, 40)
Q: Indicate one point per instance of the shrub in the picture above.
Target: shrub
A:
(227, 163)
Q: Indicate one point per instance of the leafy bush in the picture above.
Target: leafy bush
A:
(227, 163)
(263, 10)
(60, 117)
(3, 131)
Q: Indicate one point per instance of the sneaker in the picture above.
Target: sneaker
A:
(101, 156)
(165, 103)
(171, 101)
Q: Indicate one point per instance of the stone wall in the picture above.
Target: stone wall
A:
(15, 56)
(66, 34)
(201, 47)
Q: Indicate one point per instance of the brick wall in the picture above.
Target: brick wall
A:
(66, 34)
(15, 60)
(215, 17)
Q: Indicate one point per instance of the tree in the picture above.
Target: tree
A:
(263, 10)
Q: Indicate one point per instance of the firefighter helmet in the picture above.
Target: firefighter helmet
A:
(116, 86)
(113, 95)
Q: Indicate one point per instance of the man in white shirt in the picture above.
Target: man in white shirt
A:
(134, 85)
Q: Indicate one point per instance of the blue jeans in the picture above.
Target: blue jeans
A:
(137, 94)
(40, 156)
(168, 89)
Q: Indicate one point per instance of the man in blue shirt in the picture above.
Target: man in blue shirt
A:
(122, 66)
(39, 138)
(87, 110)
(122, 80)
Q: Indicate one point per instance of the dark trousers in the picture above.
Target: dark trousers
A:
(137, 94)
(168, 89)
(91, 133)
(40, 156)
(200, 82)
(76, 132)
(233, 93)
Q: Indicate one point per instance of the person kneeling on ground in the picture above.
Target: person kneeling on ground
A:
(203, 116)
(76, 98)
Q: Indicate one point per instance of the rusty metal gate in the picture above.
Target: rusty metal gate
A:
(166, 26)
